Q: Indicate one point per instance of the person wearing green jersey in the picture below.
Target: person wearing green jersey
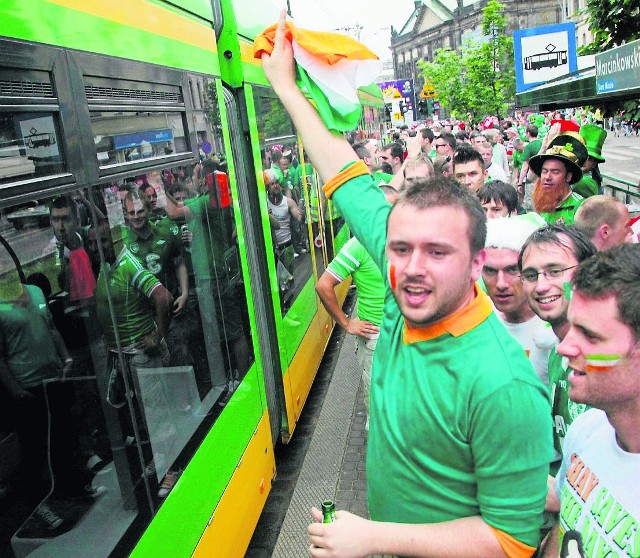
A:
(157, 244)
(452, 394)
(353, 260)
(134, 311)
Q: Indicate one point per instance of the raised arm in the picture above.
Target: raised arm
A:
(328, 152)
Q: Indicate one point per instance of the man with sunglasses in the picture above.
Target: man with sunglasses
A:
(547, 262)
(445, 145)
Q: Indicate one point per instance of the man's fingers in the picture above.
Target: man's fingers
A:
(280, 29)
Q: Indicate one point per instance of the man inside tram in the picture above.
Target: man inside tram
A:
(75, 277)
(34, 362)
(142, 309)
(159, 248)
(436, 483)
(210, 219)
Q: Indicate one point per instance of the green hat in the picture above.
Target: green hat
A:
(540, 119)
(570, 148)
(594, 137)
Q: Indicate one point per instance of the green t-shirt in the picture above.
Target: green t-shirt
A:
(586, 187)
(563, 410)
(565, 212)
(354, 260)
(158, 252)
(130, 286)
(517, 158)
(27, 345)
(531, 149)
(212, 243)
(460, 424)
(383, 177)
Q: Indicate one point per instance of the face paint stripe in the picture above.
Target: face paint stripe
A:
(601, 363)
(392, 277)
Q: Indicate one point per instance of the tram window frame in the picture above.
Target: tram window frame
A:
(28, 62)
(98, 70)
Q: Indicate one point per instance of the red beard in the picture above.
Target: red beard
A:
(546, 201)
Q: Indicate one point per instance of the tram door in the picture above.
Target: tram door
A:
(258, 272)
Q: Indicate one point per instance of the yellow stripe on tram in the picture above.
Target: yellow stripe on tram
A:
(148, 17)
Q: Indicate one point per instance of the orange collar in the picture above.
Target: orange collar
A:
(464, 320)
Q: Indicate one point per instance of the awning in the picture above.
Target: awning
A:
(573, 90)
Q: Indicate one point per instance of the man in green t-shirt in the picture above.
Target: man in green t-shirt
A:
(353, 260)
(452, 394)
(157, 244)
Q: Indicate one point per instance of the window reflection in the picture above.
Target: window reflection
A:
(122, 137)
(289, 202)
(135, 295)
(29, 145)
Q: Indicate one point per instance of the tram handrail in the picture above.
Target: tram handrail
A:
(624, 190)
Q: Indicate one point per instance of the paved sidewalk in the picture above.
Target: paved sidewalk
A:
(335, 461)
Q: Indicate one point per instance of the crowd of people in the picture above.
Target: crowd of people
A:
(504, 390)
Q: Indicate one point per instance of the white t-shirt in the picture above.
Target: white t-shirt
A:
(598, 488)
(496, 173)
(537, 339)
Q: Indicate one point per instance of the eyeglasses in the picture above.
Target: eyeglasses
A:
(436, 145)
(531, 275)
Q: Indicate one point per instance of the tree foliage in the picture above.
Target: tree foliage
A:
(479, 80)
(613, 23)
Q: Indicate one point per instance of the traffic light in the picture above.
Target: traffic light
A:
(403, 107)
(423, 107)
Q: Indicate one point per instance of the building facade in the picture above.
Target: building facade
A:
(436, 24)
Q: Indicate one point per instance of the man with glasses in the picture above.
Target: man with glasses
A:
(445, 145)
(501, 275)
(547, 262)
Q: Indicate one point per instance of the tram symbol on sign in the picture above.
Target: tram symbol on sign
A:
(548, 59)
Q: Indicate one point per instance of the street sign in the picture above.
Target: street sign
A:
(544, 53)
(618, 69)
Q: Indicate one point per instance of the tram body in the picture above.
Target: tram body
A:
(99, 99)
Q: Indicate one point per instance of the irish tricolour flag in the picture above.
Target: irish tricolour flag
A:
(330, 68)
(601, 363)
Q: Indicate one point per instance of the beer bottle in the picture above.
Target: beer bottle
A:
(328, 511)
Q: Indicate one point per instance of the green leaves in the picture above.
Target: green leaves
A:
(481, 79)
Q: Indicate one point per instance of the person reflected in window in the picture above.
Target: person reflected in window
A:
(34, 362)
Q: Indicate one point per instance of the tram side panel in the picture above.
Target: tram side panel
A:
(143, 425)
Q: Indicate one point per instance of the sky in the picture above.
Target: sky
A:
(375, 17)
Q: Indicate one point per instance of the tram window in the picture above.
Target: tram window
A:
(29, 145)
(289, 201)
(132, 408)
(124, 137)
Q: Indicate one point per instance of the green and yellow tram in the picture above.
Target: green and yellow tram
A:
(150, 111)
